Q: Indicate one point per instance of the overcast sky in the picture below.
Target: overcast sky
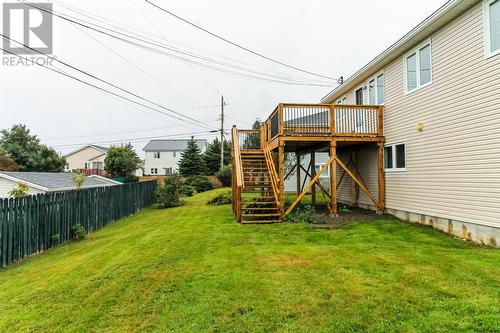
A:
(332, 38)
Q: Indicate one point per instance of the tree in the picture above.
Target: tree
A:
(79, 180)
(27, 151)
(19, 191)
(191, 162)
(169, 193)
(211, 156)
(121, 161)
(7, 163)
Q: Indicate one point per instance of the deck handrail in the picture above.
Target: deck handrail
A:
(273, 175)
(324, 120)
(237, 172)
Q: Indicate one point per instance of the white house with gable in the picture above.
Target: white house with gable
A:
(162, 156)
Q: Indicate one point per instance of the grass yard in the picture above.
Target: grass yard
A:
(193, 268)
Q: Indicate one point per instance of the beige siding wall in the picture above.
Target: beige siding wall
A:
(78, 159)
(453, 166)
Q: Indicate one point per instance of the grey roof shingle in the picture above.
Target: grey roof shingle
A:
(53, 180)
(171, 145)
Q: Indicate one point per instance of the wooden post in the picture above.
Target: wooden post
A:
(354, 185)
(313, 173)
(297, 168)
(281, 173)
(381, 177)
(333, 180)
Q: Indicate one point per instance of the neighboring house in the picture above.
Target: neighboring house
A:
(162, 156)
(440, 86)
(45, 182)
(88, 159)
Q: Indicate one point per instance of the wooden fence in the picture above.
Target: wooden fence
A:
(35, 223)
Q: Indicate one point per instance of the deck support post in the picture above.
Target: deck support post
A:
(381, 177)
(333, 180)
(313, 173)
(281, 176)
(297, 168)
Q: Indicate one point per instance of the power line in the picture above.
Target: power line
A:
(148, 36)
(237, 45)
(132, 139)
(100, 88)
(117, 87)
(88, 25)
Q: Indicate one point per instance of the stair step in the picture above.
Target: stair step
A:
(257, 203)
(261, 208)
(260, 215)
(260, 221)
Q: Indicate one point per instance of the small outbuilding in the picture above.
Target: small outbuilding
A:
(46, 182)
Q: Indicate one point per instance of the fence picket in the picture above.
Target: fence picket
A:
(29, 225)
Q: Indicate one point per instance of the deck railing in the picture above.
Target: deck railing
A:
(237, 172)
(249, 139)
(324, 120)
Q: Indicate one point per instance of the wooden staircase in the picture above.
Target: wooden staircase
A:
(258, 200)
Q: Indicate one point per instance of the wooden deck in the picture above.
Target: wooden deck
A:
(303, 129)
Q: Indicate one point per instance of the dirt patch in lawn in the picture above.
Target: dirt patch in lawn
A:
(347, 215)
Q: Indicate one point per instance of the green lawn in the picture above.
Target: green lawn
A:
(193, 268)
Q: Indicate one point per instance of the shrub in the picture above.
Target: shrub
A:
(77, 232)
(224, 175)
(19, 191)
(200, 183)
(187, 190)
(221, 198)
(305, 214)
(131, 179)
(169, 193)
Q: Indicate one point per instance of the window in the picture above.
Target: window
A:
(174, 153)
(154, 171)
(156, 154)
(326, 173)
(418, 68)
(492, 27)
(359, 96)
(376, 90)
(86, 165)
(168, 171)
(395, 157)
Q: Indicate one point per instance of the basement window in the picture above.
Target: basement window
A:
(418, 67)
(492, 27)
(326, 173)
(395, 157)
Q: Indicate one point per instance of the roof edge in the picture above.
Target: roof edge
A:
(398, 46)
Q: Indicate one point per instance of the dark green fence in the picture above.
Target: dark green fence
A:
(35, 223)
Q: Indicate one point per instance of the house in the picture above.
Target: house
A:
(87, 159)
(440, 87)
(46, 182)
(163, 156)
(414, 133)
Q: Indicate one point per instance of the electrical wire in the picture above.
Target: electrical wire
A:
(115, 86)
(238, 45)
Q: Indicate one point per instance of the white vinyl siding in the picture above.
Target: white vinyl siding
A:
(452, 172)
(492, 27)
(418, 67)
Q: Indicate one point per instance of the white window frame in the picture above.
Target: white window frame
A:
(374, 78)
(156, 154)
(488, 53)
(416, 51)
(174, 153)
(393, 146)
(326, 173)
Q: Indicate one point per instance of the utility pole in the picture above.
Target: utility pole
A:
(222, 133)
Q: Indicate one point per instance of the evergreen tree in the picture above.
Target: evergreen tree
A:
(191, 162)
(211, 156)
